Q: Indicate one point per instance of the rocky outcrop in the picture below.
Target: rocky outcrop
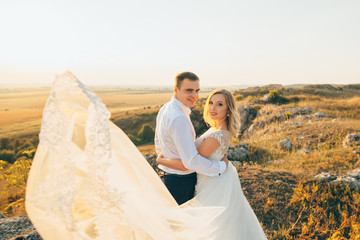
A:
(321, 115)
(351, 140)
(238, 153)
(247, 115)
(18, 228)
(285, 144)
(351, 179)
(285, 114)
(325, 177)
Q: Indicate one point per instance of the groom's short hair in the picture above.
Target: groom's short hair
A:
(181, 76)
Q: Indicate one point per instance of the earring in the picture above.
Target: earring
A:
(227, 115)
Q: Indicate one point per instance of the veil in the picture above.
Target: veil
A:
(89, 181)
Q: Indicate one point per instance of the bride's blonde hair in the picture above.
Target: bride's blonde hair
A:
(232, 119)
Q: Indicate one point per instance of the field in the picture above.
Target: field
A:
(308, 191)
(21, 109)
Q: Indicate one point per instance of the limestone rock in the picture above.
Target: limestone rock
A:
(238, 154)
(325, 177)
(351, 140)
(18, 227)
(353, 183)
(321, 115)
(303, 151)
(286, 144)
(247, 115)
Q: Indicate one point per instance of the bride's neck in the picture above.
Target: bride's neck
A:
(220, 125)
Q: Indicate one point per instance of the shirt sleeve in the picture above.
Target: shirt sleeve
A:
(181, 133)
(157, 147)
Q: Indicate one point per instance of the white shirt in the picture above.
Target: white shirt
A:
(175, 136)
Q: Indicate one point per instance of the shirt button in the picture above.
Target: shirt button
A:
(219, 174)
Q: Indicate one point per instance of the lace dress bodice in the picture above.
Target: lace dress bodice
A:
(222, 136)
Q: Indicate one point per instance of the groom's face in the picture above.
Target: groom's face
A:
(188, 93)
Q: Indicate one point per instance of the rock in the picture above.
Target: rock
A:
(351, 179)
(238, 154)
(321, 115)
(353, 183)
(303, 151)
(351, 140)
(305, 111)
(303, 117)
(285, 144)
(355, 174)
(325, 177)
(18, 227)
(266, 98)
(256, 126)
(247, 115)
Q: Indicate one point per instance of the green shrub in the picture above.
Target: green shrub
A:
(146, 133)
(135, 139)
(275, 97)
(239, 97)
(7, 155)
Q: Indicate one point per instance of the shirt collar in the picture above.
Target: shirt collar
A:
(180, 105)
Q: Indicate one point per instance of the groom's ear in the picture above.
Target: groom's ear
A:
(176, 89)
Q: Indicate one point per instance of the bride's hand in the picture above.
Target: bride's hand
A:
(225, 160)
(160, 156)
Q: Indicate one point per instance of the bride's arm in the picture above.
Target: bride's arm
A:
(206, 148)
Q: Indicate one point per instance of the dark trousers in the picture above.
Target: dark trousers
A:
(181, 187)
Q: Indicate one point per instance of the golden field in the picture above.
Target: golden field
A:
(21, 109)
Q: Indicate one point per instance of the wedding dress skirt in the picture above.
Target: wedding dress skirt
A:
(238, 221)
(89, 181)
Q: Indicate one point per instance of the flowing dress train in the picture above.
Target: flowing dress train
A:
(89, 181)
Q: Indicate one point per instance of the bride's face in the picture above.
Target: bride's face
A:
(217, 107)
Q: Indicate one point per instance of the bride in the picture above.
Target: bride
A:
(238, 221)
(89, 181)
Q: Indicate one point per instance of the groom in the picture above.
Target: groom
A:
(175, 136)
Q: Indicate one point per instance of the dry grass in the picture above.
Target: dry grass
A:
(323, 137)
(344, 108)
(147, 149)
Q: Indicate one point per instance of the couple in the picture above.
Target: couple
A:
(89, 181)
(217, 182)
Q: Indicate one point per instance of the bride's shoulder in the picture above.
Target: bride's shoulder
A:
(219, 135)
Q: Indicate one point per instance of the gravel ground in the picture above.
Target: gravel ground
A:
(17, 228)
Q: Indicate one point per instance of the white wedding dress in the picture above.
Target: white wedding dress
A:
(238, 221)
(89, 181)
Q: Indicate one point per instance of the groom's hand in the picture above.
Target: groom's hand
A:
(160, 156)
(225, 160)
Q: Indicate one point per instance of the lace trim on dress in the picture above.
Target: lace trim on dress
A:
(57, 127)
(219, 135)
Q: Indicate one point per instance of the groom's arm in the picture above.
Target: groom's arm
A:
(184, 142)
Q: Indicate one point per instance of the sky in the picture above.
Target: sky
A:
(139, 42)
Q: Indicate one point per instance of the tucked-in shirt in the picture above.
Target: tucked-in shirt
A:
(175, 136)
